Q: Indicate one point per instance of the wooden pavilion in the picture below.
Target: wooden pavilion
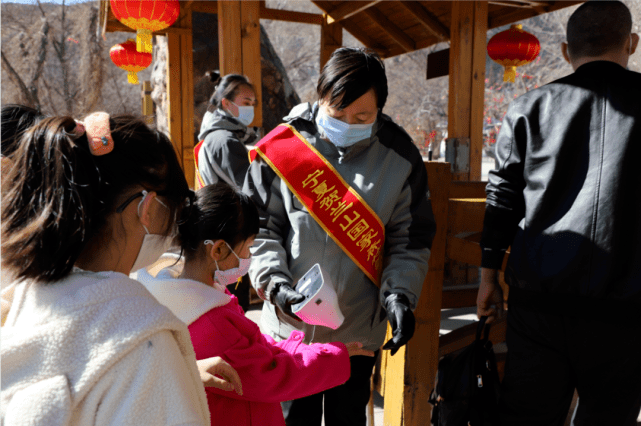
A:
(391, 28)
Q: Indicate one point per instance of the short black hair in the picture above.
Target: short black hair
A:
(217, 212)
(349, 74)
(598, 27)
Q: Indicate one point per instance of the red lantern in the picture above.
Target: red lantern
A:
(513, 48)
(125, 56)
(146, 16)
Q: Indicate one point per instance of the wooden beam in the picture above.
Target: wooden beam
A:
(117, 26)
(250, 34)
(210, 6)
(361, 36)
(520, 13)
(291, 16)
(429, 21)
(331, 39)
(229, 37)
(391, 29)
(347, 9)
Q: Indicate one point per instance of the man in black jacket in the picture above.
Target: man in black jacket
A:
(566, 197)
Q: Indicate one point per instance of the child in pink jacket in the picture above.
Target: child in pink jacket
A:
(216, 235)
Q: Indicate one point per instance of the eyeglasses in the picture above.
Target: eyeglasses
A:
(128, 201)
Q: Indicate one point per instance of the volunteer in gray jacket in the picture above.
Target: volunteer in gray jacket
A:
(224, 131)
(379, 161)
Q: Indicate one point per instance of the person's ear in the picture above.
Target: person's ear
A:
(564, 51)
(216, 250)
(634, 42)
(143, 208)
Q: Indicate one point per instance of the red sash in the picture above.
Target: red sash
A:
(199, 179)
(335, 205)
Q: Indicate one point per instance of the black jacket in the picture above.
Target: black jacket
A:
(567, 196)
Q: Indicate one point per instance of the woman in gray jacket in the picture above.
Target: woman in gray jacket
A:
(225, 132)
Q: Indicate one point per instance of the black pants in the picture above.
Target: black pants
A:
(344, 405)
(550, 355)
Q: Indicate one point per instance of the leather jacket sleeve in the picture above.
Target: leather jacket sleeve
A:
(505, 206)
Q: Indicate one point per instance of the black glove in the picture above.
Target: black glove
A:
(401, 320)
(284, 296)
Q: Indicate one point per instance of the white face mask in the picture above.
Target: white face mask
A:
(340, 133)
(245, 114)
(153, 245)
(234, 274)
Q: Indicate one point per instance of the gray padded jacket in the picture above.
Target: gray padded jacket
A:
(223, 155)
(388, 172)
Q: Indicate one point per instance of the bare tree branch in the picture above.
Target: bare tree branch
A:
(15, 78)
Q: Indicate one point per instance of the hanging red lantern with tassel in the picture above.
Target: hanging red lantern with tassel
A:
(513, 48)
(146, 16)
(126, 56)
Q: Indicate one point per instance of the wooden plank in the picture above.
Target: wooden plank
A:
(503, 17)
(467, 189)
(461, 45)
(330, 40)
(229, 37)
(465, 215)
(438, 64)
(174, 113)
(210, 6)
(478, 89)
(291, 16)
(250, 24)
(364, 38)
(422, 350)
(391, 29)
(427, 20)
(462, 250)
(459, 296)
(347, 9)
(187, 92)
(464, 336)
(394, 387)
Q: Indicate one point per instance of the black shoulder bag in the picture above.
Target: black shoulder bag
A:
(467, 385)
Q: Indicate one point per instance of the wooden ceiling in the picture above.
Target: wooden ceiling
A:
(389, 27)
(396, 27)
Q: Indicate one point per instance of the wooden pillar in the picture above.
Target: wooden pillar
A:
(180, 92)
(239, 45)
(331, 39)
(409, 375)
(147, 102)
(229, 37)
(467, 87)
(250, 35)
(422, 351)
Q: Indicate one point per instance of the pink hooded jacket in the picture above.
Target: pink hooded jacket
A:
(270, 371)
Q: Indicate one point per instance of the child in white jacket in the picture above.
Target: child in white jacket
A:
(85, 204)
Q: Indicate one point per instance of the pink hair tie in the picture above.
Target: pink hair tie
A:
(98, 133)
(79, 130)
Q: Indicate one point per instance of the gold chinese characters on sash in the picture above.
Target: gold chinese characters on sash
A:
(333, 203)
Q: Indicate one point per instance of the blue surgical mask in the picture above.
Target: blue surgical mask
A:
(245, 114)
(340, 133)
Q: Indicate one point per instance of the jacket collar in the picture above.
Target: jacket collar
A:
(600, 67)
(187, 299)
